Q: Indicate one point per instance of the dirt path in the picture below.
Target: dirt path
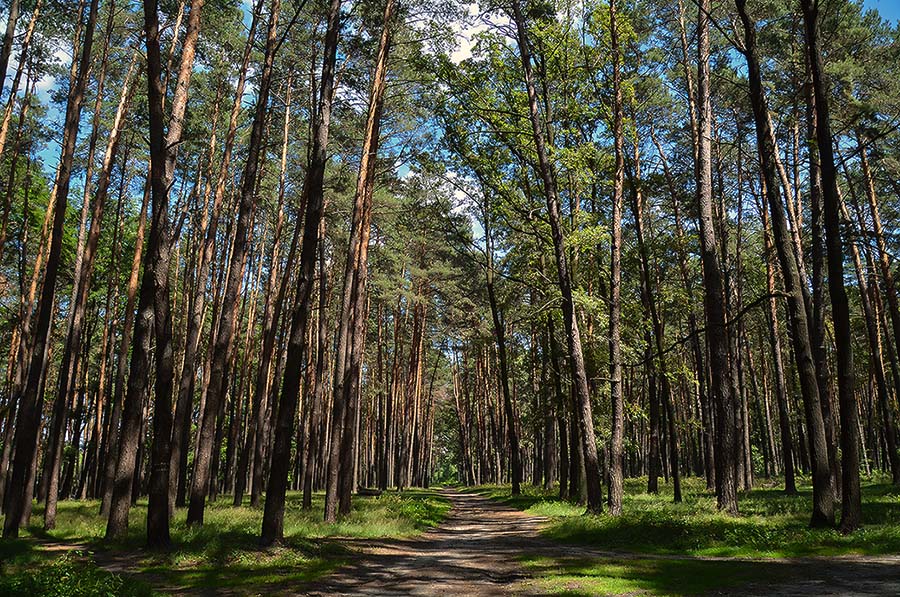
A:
(475, 552)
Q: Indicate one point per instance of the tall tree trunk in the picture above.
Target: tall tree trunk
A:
(222, 349)
(348, 358)
(154, 317)
(584, 415)
(114, 433)
(714, 287)
(78, 305)
(876, 365)
(817, 328)
(823, 502)
(500, 337)
(617, 401)
(271, 316)
(205, 258)
(163, 153)
(851, 502)
(273, 516)
(890, 290)
(657, 363)
(774, 335)
(31, 401)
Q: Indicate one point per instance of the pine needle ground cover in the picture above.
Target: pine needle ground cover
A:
(223, 553)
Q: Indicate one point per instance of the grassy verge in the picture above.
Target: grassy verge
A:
(652, 529)
(224, 552)
(646, 576)
(771, 523)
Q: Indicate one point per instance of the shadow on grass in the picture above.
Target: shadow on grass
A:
(611, 576)
(224, 552)
(771, 524)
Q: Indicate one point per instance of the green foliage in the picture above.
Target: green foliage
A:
(72, 575)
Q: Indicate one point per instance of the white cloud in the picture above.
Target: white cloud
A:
(45, 83)
(468, 29)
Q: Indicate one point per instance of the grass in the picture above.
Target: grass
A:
(225, 552)
(654, 576)
(771, 524)
(71, 575)
(668, 549)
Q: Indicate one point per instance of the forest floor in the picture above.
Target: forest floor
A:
(477, 542)
(222, 557)
(486, 547)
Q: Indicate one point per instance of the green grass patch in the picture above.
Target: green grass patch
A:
(72, 575)
(771, 524)
(224, 552)
(653, 576)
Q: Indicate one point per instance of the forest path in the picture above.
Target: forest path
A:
(473, 552)
(476, 552)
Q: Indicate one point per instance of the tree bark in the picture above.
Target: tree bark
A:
(78, 305)
(31, 401)
(823, 503)
(273, 516)
(222, 349)
(584, 415)
(851, 502)
(617, 401)
(348, 357)
(714, 287)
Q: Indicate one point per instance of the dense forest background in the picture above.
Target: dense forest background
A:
(247, 248)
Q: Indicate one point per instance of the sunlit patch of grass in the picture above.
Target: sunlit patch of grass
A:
(533, 500)
(653, 576)
(225, 552)
(771, 524)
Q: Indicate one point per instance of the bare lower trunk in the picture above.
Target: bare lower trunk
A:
(851, 502)
(583, 412)
(273, 516)
(31, 400)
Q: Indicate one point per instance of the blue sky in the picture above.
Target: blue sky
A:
(889, 9)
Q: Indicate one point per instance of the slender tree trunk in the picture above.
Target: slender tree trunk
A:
(714, 287)
(584, 415)
(500, 337)
(78, 305)
(851, 502)
(890, 290)
(271, 316)
(31, 401)
(817, 329)
(876, 363)
(273, 517)
(348, 359)
(154, 317)
(115, 434)
(823, 504)
(222, 349)
(205, 258)
(615, 283)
